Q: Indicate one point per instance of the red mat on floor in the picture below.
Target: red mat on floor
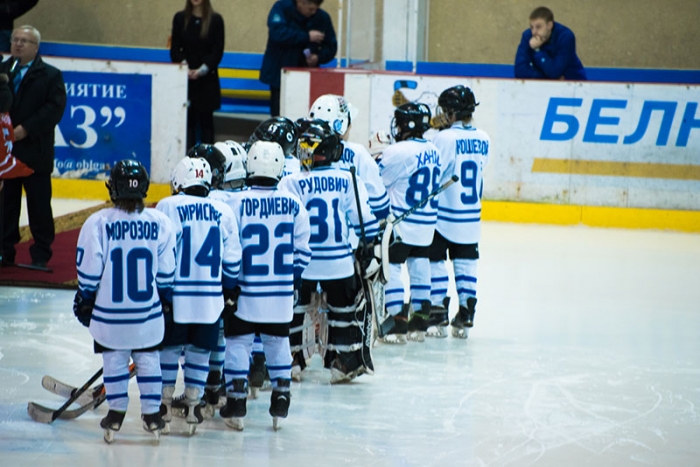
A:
(62, 263)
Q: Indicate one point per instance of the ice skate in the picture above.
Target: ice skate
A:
(464, 319)
(279, 403)
(153, 423)
(166, 407)
(418, 324)
(112, 423)
(438, 320)
(298, 365)
(234, 410)
(394, 328)
(211, 394)
(194, 414)
(346, 367)
(257, 375)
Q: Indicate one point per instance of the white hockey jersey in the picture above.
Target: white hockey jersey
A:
(328, 195)
(122, 260)
(291, 166)
(465, 153)
(411, 170)
(274, 231)
(367, 171)
(208, 256)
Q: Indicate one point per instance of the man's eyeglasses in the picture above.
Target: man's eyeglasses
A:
(21, 41)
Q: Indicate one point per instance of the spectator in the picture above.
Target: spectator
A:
(10, 10)
(198, 40)
(548, 50)
(39, 101)
(300, 34)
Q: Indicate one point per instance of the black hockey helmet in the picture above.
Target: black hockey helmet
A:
(215, 158)
(280, 130)
(127, 180)
(458, 100)
(318, 145)
(411, 119)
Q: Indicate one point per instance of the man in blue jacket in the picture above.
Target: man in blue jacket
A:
(300, 34)
(548, 50)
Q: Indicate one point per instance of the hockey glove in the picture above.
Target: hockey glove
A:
(82, 308)
(166, 304)
(367, 259)
(230, 302)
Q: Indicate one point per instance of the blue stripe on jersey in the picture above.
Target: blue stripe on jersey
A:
(267, 294)
(126, 321)
(331, 248)
(198, 283)
(328, 258)
(264, 283)
(164, 275)
(128, 310)
(465, 278)
(88, 277)
(413, 221)
(426, 213)
(460, 211)
(452, 219)
(84, 286)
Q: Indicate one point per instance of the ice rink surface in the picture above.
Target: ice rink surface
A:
(585, 352)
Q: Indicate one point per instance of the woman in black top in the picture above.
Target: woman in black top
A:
(198, 39)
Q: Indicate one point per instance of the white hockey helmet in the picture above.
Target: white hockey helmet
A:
(265, 159)
(234, 167)
(189, 173)
(334, 110)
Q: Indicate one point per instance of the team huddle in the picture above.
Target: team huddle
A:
(269, 253)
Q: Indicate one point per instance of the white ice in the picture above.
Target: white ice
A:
(585, 352)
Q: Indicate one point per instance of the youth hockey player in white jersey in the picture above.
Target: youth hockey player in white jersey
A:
(411, 169)
(465, 152)
(282, 131)
(208, 256)
(274, 229)
(126, 266)
(327, 193)
(338, 113)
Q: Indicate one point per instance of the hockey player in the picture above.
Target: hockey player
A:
(126, 265)
(282, 131)
(411, 169)
(465, 152)
(274, 229)
(338, 113)
(327, 193)
(208, 257)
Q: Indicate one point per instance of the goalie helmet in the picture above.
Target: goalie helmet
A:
(214, 157)
(191, 173)
(235, 165)
(279, 130)
(334, 110)
(458, 101)
(319, 145)
(128, 179)
(265, 159)
(410, 120)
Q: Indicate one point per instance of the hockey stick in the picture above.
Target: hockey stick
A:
(426, 200)
(66, 390)
(43, 414)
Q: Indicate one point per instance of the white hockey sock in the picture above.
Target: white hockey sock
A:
(216, 358)
(438, 282)
(148, 378)
(237, 362)
(278, 357)
(465, 278)
(116, 378)
(169, 364)
(419, 274)
(196, 368)
(394, 291)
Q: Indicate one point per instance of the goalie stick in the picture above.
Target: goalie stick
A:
(43, 414)
(60, 388)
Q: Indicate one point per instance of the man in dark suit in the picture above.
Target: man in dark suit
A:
(300, 34)
(38, 104)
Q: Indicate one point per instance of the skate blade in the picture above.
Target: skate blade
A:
(276, 423)
(460, 333)
(296, 373)
(253, 393)
(235, 423)
(191, 428)
(416, 336)
(109, 436)
(166, 429)
(437, 331)
(179, 412)
(208, 411)
(394, 339)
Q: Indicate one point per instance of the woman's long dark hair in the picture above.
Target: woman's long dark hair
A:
(207, 12)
